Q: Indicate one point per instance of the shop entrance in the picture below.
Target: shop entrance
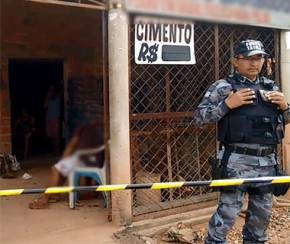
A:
(29, 83)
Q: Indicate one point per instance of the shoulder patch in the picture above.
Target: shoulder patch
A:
(222, 84)
(207, 94)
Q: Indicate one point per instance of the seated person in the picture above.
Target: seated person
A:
(24, 127)
(86, 136)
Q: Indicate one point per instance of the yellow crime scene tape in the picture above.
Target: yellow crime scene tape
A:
(212, 183)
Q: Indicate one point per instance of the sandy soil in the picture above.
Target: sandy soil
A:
(59, 223)
(278, 232)
(87, 224)
(278, 229)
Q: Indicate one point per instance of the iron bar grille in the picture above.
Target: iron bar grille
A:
(166, 145)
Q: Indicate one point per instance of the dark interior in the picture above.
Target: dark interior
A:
(29, 82)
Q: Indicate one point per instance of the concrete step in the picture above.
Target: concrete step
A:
(153, 227)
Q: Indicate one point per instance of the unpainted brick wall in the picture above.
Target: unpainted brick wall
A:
(32, 30)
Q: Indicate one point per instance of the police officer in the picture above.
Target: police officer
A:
(250, 111)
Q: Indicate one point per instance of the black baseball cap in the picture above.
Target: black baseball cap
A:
(249, 48)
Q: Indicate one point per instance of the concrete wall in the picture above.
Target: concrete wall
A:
(46, 31)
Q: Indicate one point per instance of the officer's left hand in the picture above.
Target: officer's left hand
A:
(279, 99)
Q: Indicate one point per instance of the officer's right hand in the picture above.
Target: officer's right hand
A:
(239, 98)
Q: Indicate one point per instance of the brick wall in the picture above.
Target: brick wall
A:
(37, 30)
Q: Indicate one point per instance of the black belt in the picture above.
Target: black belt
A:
(250, 151)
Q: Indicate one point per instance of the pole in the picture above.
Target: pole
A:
(119, 112)
(285, 78)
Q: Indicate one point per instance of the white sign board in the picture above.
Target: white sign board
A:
(288, 40)
(164, 44)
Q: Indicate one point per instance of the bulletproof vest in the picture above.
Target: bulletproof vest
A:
(260, 122)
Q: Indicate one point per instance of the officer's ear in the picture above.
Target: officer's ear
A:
(234, 61)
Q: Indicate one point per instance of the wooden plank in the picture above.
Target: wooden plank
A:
(165, 115)
(72, 4)
(174, 207)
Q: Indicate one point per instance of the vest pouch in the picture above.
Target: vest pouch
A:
(280, 128)
(237, 127)
(222, 128)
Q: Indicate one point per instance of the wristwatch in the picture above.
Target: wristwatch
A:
(285, 110)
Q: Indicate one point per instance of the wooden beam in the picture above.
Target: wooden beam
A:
(96, 2)
(164, 115)
(72, 4)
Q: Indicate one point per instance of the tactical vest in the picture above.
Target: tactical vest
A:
(260, 122)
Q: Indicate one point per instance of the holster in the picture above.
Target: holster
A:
(280, 188)
(216, 168)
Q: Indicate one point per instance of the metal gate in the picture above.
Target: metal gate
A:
(166, 145)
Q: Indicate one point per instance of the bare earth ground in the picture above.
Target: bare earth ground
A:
(59, 223)
(279, 229)
(279, 232)
(89, 224)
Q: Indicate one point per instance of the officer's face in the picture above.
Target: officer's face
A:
(249, 66)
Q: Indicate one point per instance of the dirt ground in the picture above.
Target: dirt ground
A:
(89, 224)
(59, 223)
(278, 231)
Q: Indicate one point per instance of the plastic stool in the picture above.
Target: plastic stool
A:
(98, 174)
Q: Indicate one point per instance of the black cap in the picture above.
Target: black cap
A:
(249, 48)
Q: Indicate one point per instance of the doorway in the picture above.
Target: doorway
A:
(29, 83)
